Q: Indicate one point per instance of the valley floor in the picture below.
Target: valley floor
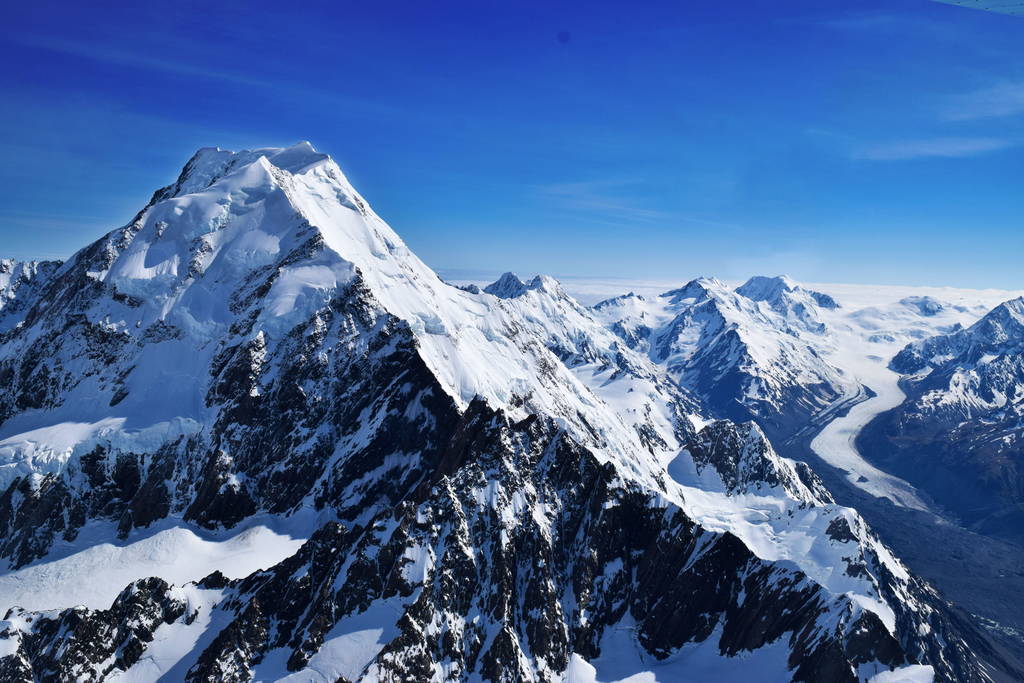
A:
(836, 442)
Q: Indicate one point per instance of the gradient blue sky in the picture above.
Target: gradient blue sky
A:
(841, 141)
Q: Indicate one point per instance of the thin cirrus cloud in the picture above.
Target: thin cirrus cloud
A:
(900, 150)
(610, 201)
(1003, 99)
(601, 196)
(177, 67)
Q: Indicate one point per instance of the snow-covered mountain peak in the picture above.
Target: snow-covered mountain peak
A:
(247, 246)
(509, 286)
(925, 305)
(257, 344)
(998, 332)
(209, 164)
(763, 288)
(696, 290)
(756, 352)
(1009, 316)
(548, 284)
(786, 296)
(622, 299)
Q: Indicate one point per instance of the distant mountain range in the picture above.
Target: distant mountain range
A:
(430, 482)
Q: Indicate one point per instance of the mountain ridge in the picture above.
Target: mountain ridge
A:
(263, 343)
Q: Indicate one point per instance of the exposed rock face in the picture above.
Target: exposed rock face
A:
(525, 550)
(958, 435)
(499, 482)
(20, 283)
(77, 644)
(746, 462)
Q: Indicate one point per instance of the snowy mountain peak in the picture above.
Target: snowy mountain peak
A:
(752, 353)
(209, 164)
(999, 331)
(546, 283)
(508, 286)
(619, 300)
(695, 290)
(776, 291)
(924, 305)
(1009, 316)
(762, 288)
(492, 485)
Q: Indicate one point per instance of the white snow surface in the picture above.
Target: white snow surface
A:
(622, 661)
(92, 570)
(915, 673)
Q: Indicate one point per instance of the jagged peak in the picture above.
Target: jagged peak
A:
(698, 288)
(29, 268)
(1003, 323)
(509, 286)
(1013, 308)
(744, 458)
(546, 283)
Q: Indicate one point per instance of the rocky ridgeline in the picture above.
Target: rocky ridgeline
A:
(500, 482)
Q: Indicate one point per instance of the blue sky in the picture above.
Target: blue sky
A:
(842, 141)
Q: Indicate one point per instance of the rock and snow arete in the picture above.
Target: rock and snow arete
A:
(356, 471)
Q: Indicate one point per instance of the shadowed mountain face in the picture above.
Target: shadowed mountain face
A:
(960, 433)
(493, 484)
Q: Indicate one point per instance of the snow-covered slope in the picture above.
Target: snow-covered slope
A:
(960, 432)
(492, 483)
(755, 352)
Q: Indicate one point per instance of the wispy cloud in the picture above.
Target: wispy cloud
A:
(1003, 99)
(862, 21)
(601, 196)
(614, 201)
(899, 150)
(179, 67)
(132, 59)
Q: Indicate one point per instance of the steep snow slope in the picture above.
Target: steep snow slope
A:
(176, 277)
(496, 470)
(94, 569)
(750, 353)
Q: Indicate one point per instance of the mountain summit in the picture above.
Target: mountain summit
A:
(487, 485)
